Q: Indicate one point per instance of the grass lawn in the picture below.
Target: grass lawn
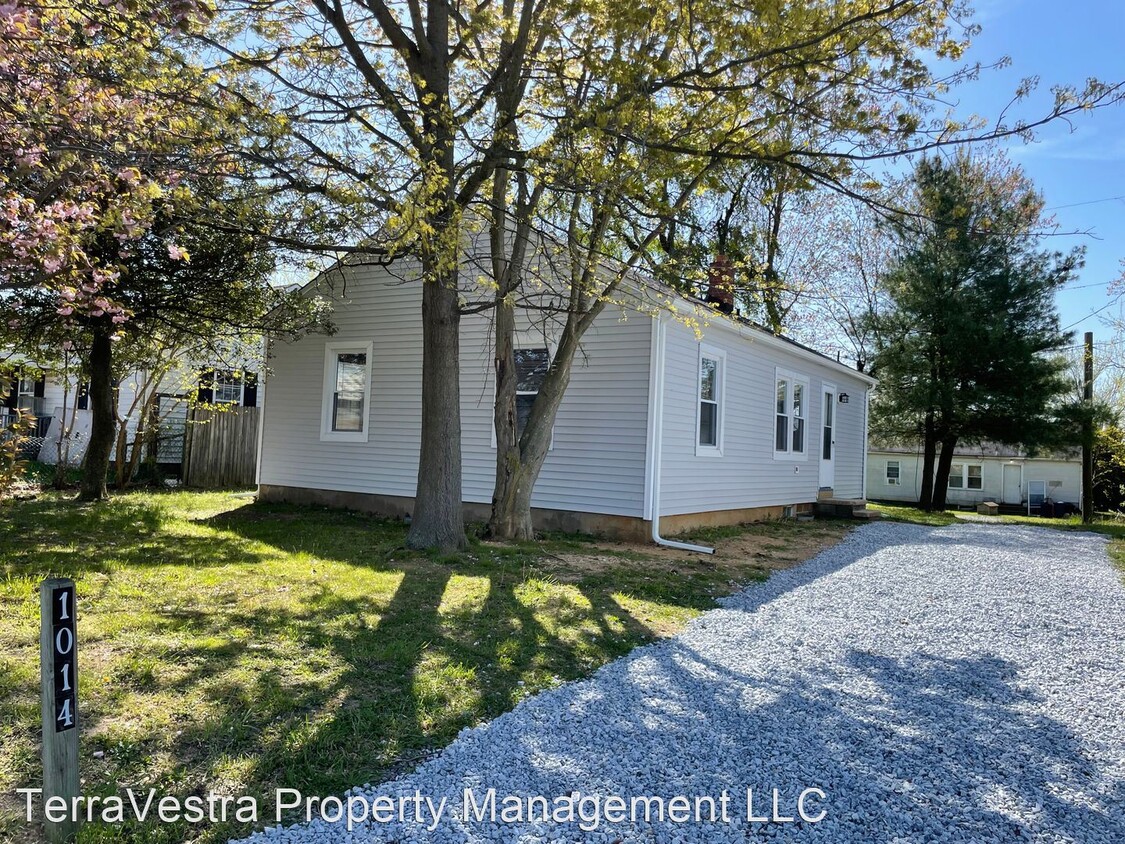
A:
(231, 646)
(1112, 527)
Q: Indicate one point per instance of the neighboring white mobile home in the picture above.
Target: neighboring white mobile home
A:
(987, 472)
(729, 426)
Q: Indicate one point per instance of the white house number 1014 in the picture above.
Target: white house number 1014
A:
(66, 663)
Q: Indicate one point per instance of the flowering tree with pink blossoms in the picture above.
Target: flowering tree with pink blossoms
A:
(91, 132)
(112, 145)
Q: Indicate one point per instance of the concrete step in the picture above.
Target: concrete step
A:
(843, 508)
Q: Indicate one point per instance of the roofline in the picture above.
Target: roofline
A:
(784, 344)
(745, 328)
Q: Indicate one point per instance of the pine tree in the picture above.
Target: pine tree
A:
(969, 345)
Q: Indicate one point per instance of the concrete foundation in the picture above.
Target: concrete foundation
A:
(625, 528)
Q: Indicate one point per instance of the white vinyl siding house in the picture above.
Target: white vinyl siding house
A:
(716, 448)
(977, 474)
(56, 392)
(753, 473)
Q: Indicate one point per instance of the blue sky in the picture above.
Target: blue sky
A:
(1074, 166)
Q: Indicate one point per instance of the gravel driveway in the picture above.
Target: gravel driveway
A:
(936, 684)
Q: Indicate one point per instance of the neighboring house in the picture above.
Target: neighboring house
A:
(730, 426)
(61, 403)
(988, 472)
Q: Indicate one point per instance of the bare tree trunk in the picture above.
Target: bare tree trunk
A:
(515, 480)
(505, 523)
(511, 495)
(62, 455)
(437, 521)
(941, 478)
(103, 419)
(929, 456)
(120, 449)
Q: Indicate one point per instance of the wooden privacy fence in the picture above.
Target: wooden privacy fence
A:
(221, 448)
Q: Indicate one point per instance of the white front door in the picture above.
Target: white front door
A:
(1013, 484)
(828, 438)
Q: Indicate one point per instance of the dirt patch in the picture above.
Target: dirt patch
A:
(770, 546)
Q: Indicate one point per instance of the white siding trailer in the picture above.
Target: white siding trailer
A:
(978, 473)
(727, 427)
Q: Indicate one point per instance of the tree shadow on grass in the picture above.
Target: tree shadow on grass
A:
(349, 661)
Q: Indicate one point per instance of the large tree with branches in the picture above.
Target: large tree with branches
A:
(385, 123)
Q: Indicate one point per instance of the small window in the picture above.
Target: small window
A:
(957, 476)
(798, 419)
(790, 415)
(966, 476)
(227, 387)
(894, 477)
(531, 369)
(781, 442)
(347, 381)
(708, 401)
(349, 394)
(709, 424)
(974, 479)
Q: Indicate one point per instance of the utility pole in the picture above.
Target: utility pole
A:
(1088, 431)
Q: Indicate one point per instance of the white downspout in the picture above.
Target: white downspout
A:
(656, 441)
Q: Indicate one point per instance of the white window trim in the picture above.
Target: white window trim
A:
(887, 478)
(525, 342)
(720, 357)
(241, 401)
(965, 478)
(331, 350)
(793, 378)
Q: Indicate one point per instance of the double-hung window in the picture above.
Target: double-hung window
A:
(966, 476)
(347, 387)
(790, 414)
(709, 421)
(894, 474)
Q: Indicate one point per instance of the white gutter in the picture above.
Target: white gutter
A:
(656, 428)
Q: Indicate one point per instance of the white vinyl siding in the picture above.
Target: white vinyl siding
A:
(597, 462)
(748, 475)
(1064, 478)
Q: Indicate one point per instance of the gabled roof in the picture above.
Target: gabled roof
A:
(735, 321)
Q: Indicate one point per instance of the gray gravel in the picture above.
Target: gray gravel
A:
(937, 684)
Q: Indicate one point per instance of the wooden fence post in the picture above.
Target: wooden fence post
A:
(58, 651)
